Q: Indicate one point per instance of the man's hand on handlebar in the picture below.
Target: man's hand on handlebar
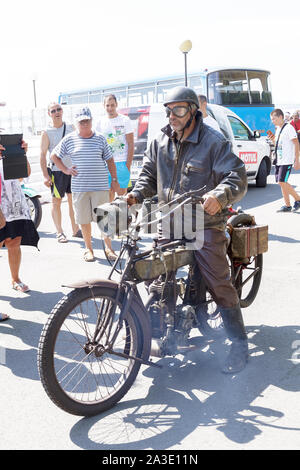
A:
(211, 205)
(131, 200)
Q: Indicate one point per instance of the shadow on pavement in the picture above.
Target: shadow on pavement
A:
(23, 362)
(193, 393)
(34, 300)
(283, 239)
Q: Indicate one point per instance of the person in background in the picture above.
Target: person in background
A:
(19, 229)
(287, 154)
(295, 122)
(55, 179)
(91, 161)
(207, 119)
(118, 132)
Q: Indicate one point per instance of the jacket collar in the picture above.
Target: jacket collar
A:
(194, 136)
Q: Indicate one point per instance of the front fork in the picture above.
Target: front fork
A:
(105, 323)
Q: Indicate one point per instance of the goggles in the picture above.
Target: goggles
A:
(178, 111)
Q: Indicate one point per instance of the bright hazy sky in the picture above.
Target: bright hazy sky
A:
(69, 44)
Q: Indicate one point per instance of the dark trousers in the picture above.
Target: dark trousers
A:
(213, 265)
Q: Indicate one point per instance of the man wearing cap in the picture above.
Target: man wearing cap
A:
(91, 161)
(188, 155)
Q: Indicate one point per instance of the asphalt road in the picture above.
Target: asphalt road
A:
(189, 403)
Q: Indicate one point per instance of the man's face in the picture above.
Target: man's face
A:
(177, 123)
(85, 127)
(110, 106)
(276, 120)
(202, 107)
(296, 117)
(55, 112)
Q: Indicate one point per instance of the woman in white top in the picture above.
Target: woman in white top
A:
(19, 228)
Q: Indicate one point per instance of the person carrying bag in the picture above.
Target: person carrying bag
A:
(274, 162)
(2, 218)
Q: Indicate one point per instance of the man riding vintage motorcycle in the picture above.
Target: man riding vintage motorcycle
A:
(186, 156)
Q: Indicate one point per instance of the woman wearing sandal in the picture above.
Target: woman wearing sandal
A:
(3, 316)
(19, 228)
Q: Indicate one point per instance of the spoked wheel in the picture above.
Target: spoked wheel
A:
(86, 355)
(246, 273)
(247, 278)
(210, 322)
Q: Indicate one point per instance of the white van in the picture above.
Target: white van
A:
(246, 143)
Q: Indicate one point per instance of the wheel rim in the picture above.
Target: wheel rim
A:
(245, 277)
(88, 370)
(214, 318)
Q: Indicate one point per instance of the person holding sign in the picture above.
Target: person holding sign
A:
(19, 228)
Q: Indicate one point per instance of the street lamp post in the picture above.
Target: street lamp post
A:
(34, 92)
(185, 47)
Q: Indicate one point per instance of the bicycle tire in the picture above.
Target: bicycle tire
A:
(247, 300)
(239, 269)
(89, 384)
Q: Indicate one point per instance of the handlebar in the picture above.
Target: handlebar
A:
(181, 200)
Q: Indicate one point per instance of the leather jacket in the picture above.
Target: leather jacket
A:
(203, 158)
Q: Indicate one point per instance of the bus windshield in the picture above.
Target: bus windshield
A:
(239, 87)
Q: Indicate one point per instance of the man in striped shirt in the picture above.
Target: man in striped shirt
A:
(91, 161)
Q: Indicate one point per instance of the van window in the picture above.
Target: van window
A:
(221, 119)
(239, 130)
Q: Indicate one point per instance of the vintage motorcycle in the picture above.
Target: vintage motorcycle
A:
(98, 336)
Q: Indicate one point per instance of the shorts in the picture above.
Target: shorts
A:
(61, 183)
(84, 204)
(123, 175)
(282, 173)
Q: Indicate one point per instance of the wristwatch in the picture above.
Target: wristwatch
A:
(114, 179)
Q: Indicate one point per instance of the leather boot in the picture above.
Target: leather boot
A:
(235, 329)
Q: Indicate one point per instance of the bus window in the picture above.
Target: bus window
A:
(198, 84)
(164, 88)
(141, 95)
(228, 87)
(239, 87)
(119, 93)
(95, 97)
(259, 87)
(78, 99)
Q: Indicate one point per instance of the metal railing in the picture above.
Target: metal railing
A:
(32, 121)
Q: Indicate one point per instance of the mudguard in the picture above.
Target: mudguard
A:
(29, 191)
(137, 306)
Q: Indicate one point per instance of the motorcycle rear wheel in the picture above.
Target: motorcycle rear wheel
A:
(246, 275)
(80, 375)
(246, 279)
(210, 322)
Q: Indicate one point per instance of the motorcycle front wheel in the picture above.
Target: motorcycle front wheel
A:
(86, 355)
